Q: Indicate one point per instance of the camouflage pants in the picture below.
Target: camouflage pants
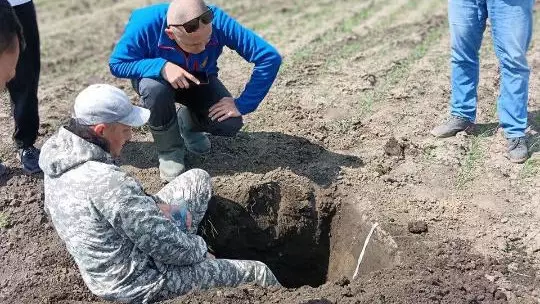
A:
(193, 189)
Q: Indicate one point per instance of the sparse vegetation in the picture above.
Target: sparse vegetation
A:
(472, 161)
(531, 168)
(4, 220)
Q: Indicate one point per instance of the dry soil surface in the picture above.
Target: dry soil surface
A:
(342, 138)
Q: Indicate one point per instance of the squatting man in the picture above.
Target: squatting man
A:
(170, 53)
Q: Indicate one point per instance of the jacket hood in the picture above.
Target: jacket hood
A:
(65, 151)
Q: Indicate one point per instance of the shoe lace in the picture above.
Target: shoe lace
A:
(515, 142)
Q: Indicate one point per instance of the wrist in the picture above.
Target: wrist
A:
(163, 72)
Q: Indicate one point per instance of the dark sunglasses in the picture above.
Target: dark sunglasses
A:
(193, 24)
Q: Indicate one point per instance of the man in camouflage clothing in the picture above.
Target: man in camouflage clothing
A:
(129, 246)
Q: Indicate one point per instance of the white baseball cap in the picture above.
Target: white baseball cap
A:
(103, 103)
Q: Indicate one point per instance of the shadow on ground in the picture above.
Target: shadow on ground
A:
(484, 130)
(255, 152)
(490, 129)
(13, 174)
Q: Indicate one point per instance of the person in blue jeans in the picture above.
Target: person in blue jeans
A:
(170, 53)
(511, 29)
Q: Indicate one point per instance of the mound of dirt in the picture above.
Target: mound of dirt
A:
(442, 274)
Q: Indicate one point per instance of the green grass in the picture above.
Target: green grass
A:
(434, 35)
(365, 103)
(429, 153)
(402, 68)
(4, 220)
(412, 4)
(302, 55)
(531, 168)
(327, 38)
(246, 128)
(473, 160)
(537, 119)
(261, 26)
(534, 144)
(346, 27)
(349, 24)
(399, 71)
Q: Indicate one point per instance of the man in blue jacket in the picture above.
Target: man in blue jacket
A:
(170, 53)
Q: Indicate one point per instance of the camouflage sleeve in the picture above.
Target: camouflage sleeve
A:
(135, 215)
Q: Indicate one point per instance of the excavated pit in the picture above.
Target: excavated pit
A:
(298, 231)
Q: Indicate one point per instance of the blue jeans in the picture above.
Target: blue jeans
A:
(511, 24)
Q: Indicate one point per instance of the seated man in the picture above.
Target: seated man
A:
(170, 52)
(129, 246)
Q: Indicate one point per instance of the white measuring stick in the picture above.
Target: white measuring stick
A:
(364, 249)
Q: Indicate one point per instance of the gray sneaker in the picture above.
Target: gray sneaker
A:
(517, 150)
(451, 127)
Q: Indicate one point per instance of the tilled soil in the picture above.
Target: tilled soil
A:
(343, 136)
(429, 275)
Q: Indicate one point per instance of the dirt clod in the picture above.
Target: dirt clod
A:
(499, 295)
(344, 281)
(394, 148)
(417, 227)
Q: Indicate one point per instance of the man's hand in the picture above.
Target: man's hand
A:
(210, 256)
(177, 214)
(177, 76)
(224, 109)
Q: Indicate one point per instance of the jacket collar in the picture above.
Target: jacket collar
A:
(164, 41)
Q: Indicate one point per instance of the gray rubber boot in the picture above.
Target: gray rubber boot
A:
(171, 150)
(196, 142)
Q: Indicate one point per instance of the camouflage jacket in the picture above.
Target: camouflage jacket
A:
(117, 235)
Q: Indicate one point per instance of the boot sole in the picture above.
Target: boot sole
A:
(31, 172)
(199, 153)
(453, 133)
(446, 135)
(518, 161)
(28, 171)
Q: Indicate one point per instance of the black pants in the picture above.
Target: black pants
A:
(23, 88)
(159, 97)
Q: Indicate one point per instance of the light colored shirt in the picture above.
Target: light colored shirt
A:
(18, 2)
